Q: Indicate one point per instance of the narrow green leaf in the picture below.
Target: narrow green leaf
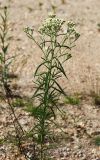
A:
(62, 91)
(5, 48)
(42, 64)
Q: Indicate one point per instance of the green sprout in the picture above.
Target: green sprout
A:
(72, 100)
(97, 141)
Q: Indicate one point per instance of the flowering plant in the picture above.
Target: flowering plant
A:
(55, 46)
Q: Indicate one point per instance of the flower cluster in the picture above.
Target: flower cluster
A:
(51, 26)
(71, 30)
(70, 26)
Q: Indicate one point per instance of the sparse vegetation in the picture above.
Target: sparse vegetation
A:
(18, 102)
(97, 141)
(5, 77)
(97, 100)
(73, 100)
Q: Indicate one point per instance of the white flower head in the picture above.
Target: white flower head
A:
(51, 25)
(71, 24)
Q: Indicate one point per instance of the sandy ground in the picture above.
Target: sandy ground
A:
(83, 69)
